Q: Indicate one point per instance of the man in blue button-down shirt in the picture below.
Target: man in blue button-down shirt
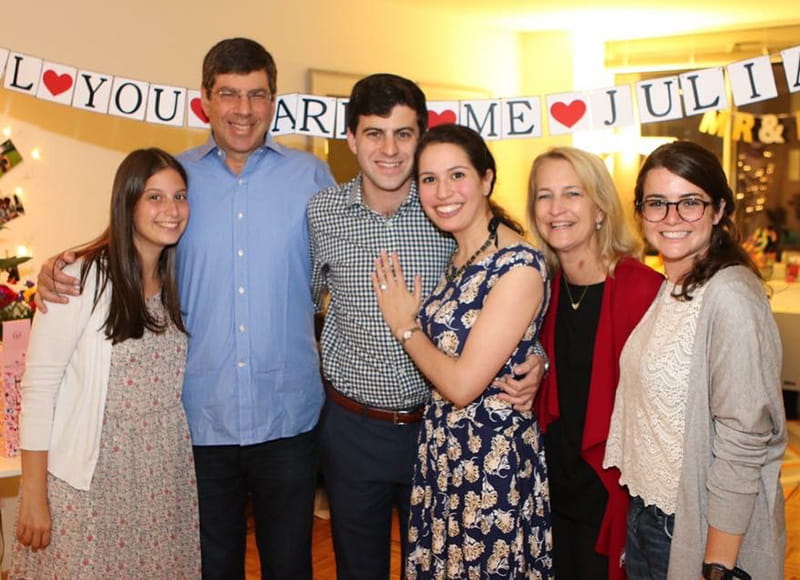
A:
(252, 390)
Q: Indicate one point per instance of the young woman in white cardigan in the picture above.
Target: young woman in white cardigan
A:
(698, 429)
(108, 484)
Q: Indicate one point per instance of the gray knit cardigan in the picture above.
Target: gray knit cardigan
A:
(735, 431)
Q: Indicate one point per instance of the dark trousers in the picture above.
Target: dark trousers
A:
(280, 476)
(574, 557)
(648, 543)
(367, 467)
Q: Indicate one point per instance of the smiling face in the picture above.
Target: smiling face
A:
(239, 124)
(679, 242)
(452, 192)
(161, 213)
(564, 214)
(384, 147)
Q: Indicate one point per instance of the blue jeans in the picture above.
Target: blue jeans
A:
(280, 476)
(648, 542)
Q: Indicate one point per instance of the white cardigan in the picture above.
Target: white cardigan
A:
(65, 383)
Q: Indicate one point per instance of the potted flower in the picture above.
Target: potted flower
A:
(16, 303)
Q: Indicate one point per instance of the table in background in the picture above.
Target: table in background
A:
(785, 304)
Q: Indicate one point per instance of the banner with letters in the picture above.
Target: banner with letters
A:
(698, 92)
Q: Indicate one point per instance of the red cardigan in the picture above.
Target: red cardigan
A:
(626, 297)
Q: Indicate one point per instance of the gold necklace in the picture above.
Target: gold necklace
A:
(575, 305)
(451, 272)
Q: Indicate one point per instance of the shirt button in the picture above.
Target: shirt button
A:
(240, 253)
(241, 289)
(241, 181)
(242, 364)
(240, 215)
(242, 328)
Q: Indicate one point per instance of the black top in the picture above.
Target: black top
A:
(576, 492)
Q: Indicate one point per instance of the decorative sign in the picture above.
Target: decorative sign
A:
(747, 127)
(699, 92)
(567, 112)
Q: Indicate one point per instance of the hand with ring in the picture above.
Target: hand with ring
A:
(398, 304)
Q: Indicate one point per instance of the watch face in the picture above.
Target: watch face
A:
(714, 572)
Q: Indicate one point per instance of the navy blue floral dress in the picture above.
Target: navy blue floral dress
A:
(480, 503)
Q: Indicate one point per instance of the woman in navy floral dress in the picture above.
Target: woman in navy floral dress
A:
(479, 502)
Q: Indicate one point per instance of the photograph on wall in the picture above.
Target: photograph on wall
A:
(9, 156)
(10, 207)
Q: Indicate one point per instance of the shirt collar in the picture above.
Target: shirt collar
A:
(355, 195)
(211, 146)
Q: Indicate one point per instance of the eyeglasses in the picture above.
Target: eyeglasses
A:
(690, 209)
(232, 97)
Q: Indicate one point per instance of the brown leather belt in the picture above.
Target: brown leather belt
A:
(396, 417)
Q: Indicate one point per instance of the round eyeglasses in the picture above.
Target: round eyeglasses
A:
(656, 210)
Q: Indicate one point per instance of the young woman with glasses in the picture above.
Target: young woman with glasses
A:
(698, 429)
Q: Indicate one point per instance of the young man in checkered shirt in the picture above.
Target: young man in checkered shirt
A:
(375, 394)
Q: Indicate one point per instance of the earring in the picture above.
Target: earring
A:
(598, 225)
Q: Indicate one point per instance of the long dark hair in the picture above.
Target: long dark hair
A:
(701, 167)
(115, 258)
(479, 156)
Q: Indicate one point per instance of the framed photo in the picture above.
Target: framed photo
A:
(9, 157)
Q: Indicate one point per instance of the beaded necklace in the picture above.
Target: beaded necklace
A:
(451, 273)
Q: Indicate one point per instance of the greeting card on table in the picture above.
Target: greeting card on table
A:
(12, 358)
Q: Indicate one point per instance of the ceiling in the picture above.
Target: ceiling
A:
(620, 19)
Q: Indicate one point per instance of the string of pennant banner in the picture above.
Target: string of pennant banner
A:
(698, 92)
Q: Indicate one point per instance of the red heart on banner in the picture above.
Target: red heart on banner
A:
(566, 114)
(57, 83)
(442, 118)
(197, 109)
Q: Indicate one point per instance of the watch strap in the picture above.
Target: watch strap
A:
(714, 571)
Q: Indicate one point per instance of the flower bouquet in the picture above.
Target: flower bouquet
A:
(16, 304)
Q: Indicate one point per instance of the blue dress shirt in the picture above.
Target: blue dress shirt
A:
(252, 370)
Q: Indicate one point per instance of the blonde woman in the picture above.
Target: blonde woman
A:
(600, 291)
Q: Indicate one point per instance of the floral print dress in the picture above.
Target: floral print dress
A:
(480, 503)
(139, 519)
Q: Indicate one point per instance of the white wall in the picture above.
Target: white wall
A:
(66, 192)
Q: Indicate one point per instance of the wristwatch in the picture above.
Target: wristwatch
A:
(407, 334)
(714, 571)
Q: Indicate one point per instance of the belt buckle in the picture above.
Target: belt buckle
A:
(397, 419)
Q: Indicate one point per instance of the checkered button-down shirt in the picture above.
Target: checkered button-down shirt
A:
(360, 357)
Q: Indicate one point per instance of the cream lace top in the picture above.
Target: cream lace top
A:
(645, 440)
